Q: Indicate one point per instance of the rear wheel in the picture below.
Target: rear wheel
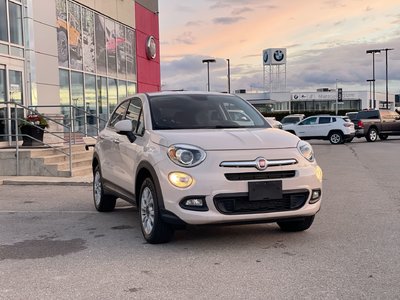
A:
(154, 229)
(372, 135)
(102, 201)
(297, 225)
(383, 136)
(336, 138)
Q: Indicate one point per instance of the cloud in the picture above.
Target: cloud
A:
(186, 38)
(227, 20)
(194, 23)
(239, 11)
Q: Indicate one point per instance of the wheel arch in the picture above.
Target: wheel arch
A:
(145, 170)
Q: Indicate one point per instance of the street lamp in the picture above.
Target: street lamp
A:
(373, 71)
(387, 87)
(370, 91)
(229, 76)
(208, 61)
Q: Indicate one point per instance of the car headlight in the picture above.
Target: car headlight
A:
(186, 155)
(306, 150)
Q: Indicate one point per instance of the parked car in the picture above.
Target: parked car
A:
(181, 159)
(292, 119)
(273, 122)
(372, 123)
(352, 115)
(336, 129)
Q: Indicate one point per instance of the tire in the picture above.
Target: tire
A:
(383, 136)
(154, 229)
(62, 46)
(102, 201)
(372, 135)
(336, 138)
(294, 226)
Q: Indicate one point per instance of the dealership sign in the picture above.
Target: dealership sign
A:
(325, 96)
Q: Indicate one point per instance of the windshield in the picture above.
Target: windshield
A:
(290, 120)
(203, 111)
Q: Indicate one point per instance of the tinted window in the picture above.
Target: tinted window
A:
(310, 121)
(119, 114)
(324, 120)
(134, 114)
(196, 111)
(290, 120)
(368, 115)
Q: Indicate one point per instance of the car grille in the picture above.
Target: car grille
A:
(239, 203)
(259, 175)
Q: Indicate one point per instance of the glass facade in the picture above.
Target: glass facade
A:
(97, 55)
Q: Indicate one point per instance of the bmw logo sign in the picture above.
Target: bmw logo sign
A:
(265, 57)
(278, 55)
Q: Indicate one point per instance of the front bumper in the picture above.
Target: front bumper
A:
(226, 196)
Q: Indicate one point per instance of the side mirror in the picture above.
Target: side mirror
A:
(125, 127)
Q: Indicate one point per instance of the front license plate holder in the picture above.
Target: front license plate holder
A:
(265, 190)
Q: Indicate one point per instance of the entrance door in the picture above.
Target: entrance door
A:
(3, 108)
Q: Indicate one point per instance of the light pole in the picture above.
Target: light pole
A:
(387, 85)
(370, 91)
(229, 76)
(337, 98)
(208, 61)
(373, 71)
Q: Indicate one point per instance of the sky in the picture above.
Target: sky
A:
(326, 43)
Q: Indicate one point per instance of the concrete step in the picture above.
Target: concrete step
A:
(61, 158)
(78, 171)
(56, 150)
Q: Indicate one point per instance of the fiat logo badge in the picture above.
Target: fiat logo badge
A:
(261, 163)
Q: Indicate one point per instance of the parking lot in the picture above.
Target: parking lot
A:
(54, 245)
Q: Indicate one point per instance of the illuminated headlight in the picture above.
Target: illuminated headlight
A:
(306, 150)
(318, 173)
(180, 179)
(186, 155)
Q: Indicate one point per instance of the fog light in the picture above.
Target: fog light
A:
(315, 195)
(196, 203)
(180, 179)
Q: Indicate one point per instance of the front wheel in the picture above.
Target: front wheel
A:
(383, 136)
(297, 225)
(154, 229)
(102, 201)
(372, 135)
(336, 138)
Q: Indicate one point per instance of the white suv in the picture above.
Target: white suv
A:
(181, 159)
(336, 129)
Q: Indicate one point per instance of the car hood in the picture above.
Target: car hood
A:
(227, 139)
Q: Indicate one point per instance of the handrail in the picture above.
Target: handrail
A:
(67, 125)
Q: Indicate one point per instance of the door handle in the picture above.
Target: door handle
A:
(101, 137)
(116, 141)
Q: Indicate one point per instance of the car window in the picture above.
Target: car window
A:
(195, 111)
(368, 115)
(119, 114)
(324, 120)
(310, 121)
(134, 114)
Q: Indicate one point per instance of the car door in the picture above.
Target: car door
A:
(106, 145)
(130, 151)
(325, 124)
(307, 127)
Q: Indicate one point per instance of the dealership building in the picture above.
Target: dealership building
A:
(89, 54)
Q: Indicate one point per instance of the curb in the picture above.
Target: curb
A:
(25, 182)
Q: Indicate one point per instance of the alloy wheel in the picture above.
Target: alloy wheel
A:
(147, 210)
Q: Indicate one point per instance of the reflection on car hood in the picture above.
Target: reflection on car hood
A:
(227, 139)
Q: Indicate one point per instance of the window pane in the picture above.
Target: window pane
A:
(88, 40)
(119, 114)
(3, 21)
(15, 86)
(100, 44)
(62, 38)
(77, 100)
(74, 35)
(121, 51)
(91, 109)
(121, 90)
(3, 49)
(64, 95)
(130, 55)
(111, 48)
(15, 23)
(3, 111)
(112, 94)
(131, 89)
(102, 100)
(15, 51)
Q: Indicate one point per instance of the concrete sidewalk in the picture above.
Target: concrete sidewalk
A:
(41, 180)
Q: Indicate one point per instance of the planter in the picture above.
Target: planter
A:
(32, 135)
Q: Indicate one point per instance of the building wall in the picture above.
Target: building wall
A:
(148, 70)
